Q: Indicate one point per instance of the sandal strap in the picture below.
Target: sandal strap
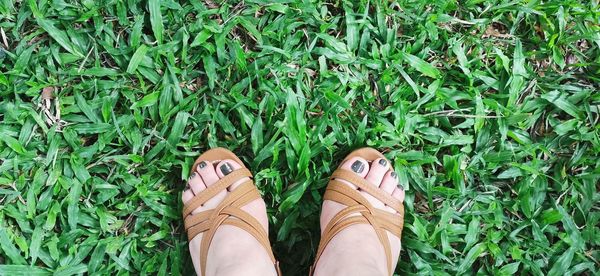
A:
(365, 186)
(389, 221)
(198, 223)
(214, 189)
(356, 203)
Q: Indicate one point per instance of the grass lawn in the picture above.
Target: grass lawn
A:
(490, 110)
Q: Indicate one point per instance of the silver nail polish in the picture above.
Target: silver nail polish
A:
(226, 168)
(357, 166)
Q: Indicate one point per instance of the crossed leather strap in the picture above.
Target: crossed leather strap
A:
(360, 211)
(228, 212)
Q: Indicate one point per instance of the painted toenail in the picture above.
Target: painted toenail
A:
(226, 168)
(401, 187)
(202, 165)
(382, 162)
(192, 175)
(393, 174)
(357, 166)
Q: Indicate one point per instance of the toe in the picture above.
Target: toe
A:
(399, 193)
(196, 184)
(187, 196)
(227, 166)
(207, 172)
(357, 165)
(389, 182)
(378, 169)
(209, 177)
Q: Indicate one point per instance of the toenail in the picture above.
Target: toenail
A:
(382, 162)
(401, 187)
(393, 174)
(202, 165)
(192, 175)
(357, 166)
(226, 168)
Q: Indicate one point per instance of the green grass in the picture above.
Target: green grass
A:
(490, 110)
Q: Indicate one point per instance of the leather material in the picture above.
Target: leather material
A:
(356, 203)
(228, 212)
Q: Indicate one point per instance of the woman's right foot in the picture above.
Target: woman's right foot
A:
(356, 250)
(233, 251)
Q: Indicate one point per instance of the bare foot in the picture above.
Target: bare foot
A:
(233, 251)
(356, 250)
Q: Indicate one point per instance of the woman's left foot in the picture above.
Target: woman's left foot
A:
(356, 250)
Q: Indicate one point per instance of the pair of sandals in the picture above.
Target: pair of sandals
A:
(229, 211)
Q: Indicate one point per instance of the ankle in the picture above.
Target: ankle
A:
(355, 251)
(350, 268)
(246, 262)
(240, 256)
(242, 267)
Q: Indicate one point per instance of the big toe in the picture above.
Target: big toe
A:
(357, 165)
(228, 166)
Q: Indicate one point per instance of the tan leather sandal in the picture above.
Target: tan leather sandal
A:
(227, 212)
(356, 203)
